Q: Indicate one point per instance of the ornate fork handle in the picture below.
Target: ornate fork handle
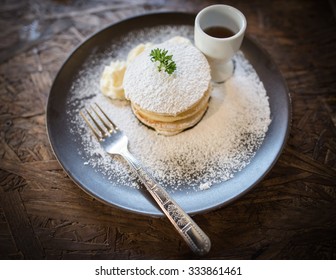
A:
(194, 236)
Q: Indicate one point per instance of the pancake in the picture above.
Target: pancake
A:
(169, 103)
(173, 127)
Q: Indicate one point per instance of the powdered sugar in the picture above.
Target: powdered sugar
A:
(223, 143)
(168, 94)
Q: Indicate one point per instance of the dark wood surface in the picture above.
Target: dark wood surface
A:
(291, 214)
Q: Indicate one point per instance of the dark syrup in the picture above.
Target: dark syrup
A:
(219, 32)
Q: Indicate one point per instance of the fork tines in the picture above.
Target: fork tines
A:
(101, 125)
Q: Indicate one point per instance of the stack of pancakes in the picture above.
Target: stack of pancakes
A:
(169, 103)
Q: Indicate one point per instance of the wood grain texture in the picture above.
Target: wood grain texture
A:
(291, 214)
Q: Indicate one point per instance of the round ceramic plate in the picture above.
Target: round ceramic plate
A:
(137, 200)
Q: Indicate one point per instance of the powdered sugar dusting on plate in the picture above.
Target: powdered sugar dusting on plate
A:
(223, 143)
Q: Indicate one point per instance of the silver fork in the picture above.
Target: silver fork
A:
(115, 142)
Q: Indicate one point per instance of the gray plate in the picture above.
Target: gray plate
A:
(66, 149)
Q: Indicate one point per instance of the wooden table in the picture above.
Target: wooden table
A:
(291, 214)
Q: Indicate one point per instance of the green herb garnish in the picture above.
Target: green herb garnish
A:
(166, 62)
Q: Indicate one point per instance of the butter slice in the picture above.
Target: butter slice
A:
(136, 51)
